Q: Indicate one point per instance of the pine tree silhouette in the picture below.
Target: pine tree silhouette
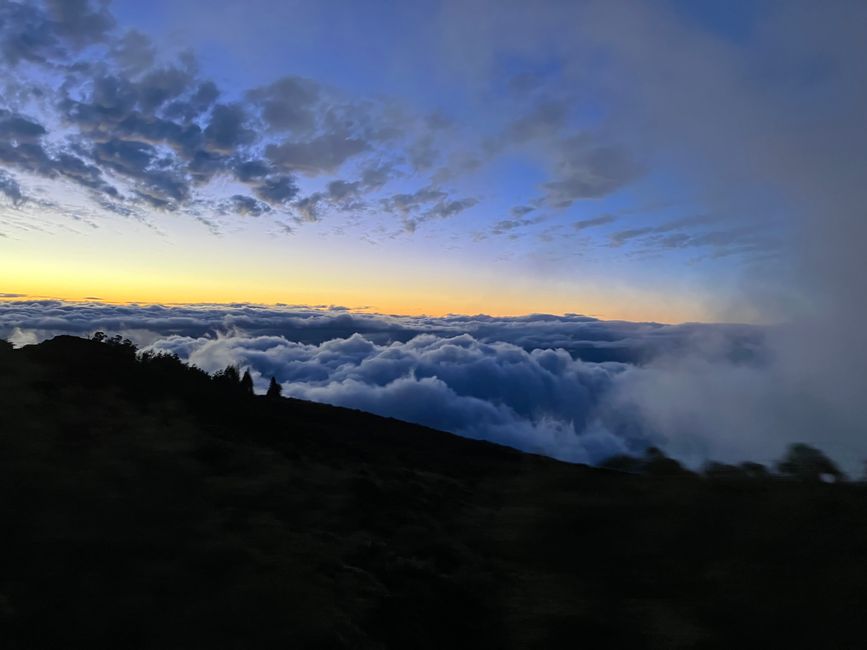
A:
(247, 383)
(274, 389)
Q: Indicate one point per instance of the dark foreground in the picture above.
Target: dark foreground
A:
(144, 505)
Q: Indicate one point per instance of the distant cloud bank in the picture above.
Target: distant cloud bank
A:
(570, 386)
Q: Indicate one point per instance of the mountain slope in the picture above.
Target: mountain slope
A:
(146, 505)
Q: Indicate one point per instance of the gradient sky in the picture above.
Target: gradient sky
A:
(417, 157)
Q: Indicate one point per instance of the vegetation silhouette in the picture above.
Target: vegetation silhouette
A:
(808, 464)
(146, 504)
(247, 383)
(275, 390)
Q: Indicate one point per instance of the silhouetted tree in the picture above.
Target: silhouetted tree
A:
(229, 377)
(247, 383)
(653, 462)
(723, 471)
(624, 463)
(807, 463)
(658, 464)
(754, 470)
(743, 471)
(274, 389)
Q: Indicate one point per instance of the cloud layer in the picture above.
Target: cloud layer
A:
(569, 386)
(540, 401)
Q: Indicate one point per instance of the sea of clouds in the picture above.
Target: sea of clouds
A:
(571, 387)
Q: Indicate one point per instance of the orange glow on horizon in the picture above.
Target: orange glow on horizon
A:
(406, 308)
(203, 276)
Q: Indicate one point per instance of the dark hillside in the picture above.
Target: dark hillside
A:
(147, 505)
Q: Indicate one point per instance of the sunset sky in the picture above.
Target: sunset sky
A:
(427, 157)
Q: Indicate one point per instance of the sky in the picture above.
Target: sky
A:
(494, 217)
(427, 157)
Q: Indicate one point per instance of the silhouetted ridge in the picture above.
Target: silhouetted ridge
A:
(146, 504)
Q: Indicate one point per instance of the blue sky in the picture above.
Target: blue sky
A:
(604, 158)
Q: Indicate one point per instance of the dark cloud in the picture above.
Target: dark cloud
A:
(134, 52)
(622, 236)
(425, 204)
(79, 21)
(407, 203)
(376, 175)
(542, 121)
(338, 195)
(26, 34)
(246, 206)
(83, 173)
(423, 154)
(160, 85)
(30, 33)
(145, 130)
(308, 208)
(251, 170)
(19, 128)
(227, 128)
(155, 182)
(521, 210)
(447, 209)
(288, 104)
(340, 190)
(601, 220)
(10, 188)
(693, 232)
(134, 128)
(26, 156)
(589, 171)
(277, 190)
(508, 225)
(524, 83)
(206, 93)
(324, 153)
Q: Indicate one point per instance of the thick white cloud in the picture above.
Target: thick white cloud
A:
(541, 401)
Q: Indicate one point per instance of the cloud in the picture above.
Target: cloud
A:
(16, 127)
(140, 132)
(277, 189)
(288, 104)
(246, 206)
(507, 225)
(10, 188)
(570, 386)
(586, 170)
(544, 120)
(560, 385)
(583, 337)
(30, 33)
(227, 128)
(540, 401)
(425, 204)
(324, 153)
(601, 220)
(137, 130)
